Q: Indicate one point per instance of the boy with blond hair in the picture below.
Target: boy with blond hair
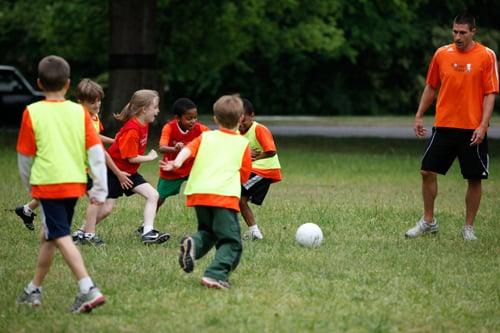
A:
(222, 162)
(56, 139)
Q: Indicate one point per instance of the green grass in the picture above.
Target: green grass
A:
(365, 277)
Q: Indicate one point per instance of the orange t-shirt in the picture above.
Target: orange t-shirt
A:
(463, 79)
(26, 145)
(215, 200)
(265, 138)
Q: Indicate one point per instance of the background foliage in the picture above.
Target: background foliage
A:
(289, 56)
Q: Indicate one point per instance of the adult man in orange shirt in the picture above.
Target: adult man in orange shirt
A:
(466, 75)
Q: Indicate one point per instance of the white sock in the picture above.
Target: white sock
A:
(31, 287)
(254, 227)
(147, 228)
(85, 284)
(27, 210)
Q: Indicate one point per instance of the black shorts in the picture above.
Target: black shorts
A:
(56, 217)
(256, 188)
(114, 188)
(447, 143)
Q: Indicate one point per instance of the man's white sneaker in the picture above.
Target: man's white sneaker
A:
(469, 233)
(422, 228)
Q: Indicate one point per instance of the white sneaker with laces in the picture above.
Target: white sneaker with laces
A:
(422, 228)
(469, 233)
(256, 234)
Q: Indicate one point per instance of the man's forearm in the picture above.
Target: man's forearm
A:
(425, 100)
(488, 104)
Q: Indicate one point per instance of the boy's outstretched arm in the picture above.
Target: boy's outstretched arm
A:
(183, 155)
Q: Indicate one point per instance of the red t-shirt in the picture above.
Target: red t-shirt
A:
(171, 134)
(130, 142)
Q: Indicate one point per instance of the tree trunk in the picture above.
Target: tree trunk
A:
(132, 56)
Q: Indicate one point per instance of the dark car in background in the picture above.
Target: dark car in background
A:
(15, 94)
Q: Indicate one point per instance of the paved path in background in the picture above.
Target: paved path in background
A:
(394, 132)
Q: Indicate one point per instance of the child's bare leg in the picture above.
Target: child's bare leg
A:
(44, 261)
(104, 210)
(91, 218)
(72, 256)
(33, 204)
(246, 212)
(151, 195)
(159, 203)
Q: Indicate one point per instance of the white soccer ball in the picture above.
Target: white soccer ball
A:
(309, 235)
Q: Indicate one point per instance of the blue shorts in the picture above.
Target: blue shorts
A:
(56, 217)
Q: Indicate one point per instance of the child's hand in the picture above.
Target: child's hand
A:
(167, 166)
(95, 201)
(153, 155)
(125, 182)
(178, 146)
(255, 153)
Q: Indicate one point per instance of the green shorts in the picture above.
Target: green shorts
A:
(169, 187)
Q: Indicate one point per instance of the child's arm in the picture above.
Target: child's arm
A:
(24, 164)
(106, 139)
(258, 155)
(151, 156)
(122, 176)
(164, 149)
(26, 149)
(97, 163)
(183, 155)
(265, 139)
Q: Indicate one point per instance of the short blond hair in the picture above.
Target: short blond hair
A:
(228, 110)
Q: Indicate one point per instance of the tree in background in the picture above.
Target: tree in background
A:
(321, 57)
(132, 52)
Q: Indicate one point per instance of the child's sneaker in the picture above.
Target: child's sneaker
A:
(216, 284)
(468, 233)
(186, 256)
(254, 235)
(33, 299)
(154, 237)
(94, 240)
(27, 218)
(78, 235)
(422, 228)
(86, 302)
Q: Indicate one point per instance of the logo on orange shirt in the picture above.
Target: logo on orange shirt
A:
(462, 67)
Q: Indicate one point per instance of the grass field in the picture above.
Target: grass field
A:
(364, 278)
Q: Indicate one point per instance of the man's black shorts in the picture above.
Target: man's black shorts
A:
(255, 189)
(447, 143)
(114, 188)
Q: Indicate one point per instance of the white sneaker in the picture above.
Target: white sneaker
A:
(422, 228)
(254, 234)
(469, 233)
